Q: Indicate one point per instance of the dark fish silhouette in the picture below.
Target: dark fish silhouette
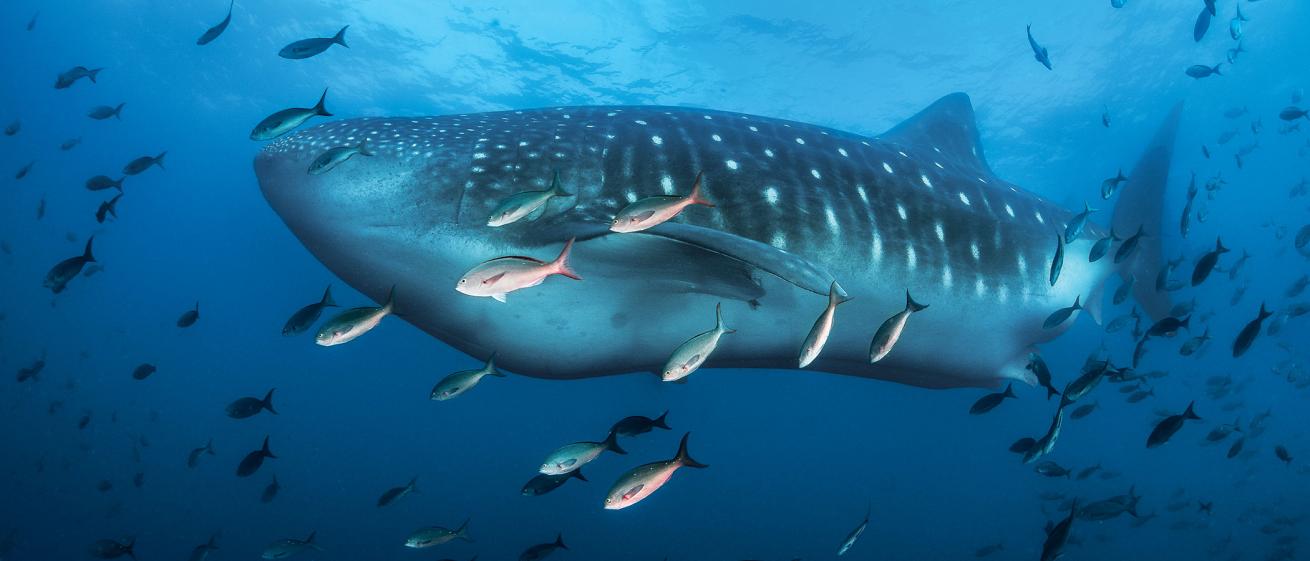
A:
(1248, 334)
(543, 483)
(1039, 52)
(1169, 426)
(102, 112)
(396, 493)
(990, 401)
(108, 208)
(251, 463)
(270, 492)
(637, 424)
(305, 317)
(1207, 262)
(111, 549)
(102, 182)
(251, 406)
(189, 317)
(144, 163)
(213, 32)
(193, 458)
(143, 371)
(57, 279)
(306, 48)
(541, 550)
(72, 75)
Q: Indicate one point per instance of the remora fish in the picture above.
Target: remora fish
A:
(855, 534)
(422, 223)
(350, 324)
(213, 32)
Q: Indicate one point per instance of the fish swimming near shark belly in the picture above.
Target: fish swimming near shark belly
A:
(797, 207)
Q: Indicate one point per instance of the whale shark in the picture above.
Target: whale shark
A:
(797, 207)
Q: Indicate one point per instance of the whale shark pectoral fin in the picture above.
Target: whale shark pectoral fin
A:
(786, 266)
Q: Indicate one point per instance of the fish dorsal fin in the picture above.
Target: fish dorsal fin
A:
(949, 126)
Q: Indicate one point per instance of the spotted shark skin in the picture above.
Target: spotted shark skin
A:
(797, 206)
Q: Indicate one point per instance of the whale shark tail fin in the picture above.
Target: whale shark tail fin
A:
(947, 126)
(1141, 205)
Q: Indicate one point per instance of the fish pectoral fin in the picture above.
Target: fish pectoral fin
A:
(537, 212)
(499, 297)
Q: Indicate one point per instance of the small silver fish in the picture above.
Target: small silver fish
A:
(690, 355)
(350, 324)
(455, 384)
(818, 335)
(334, 157)
(653, 211)
(640, 482)
(890, 331)
(502, 275)
(282, 549)
(526, 204)
(286, 120)
(436, 535)
(573, 456)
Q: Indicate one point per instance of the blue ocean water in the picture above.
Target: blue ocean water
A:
(795, 457)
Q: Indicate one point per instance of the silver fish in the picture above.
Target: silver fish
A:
(818, 335)
(690, 355)
(890, 331)
(639, 482)
(455, 384)
(350, 324)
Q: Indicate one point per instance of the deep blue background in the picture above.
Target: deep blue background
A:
(795, 456)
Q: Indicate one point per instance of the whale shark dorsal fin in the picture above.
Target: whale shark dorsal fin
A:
(949, 126)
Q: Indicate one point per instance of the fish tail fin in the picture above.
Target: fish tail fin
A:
(413, 486)
(1219, 245)
(577, 474)
(1216, 69)
(559, 541)
(557, 187)
(837, 295)
(129, 549)
(119, 184)
(561, 263)
(1141, 208)
(612, 443)
(390, 305)
(718, 319)
(697, 197)
(660, 421)
(684, 458)
(267, 403)
(327, 297)
(86, 253)
(340, 37)
(491, 367)
(118, 111)
(320, 108)
(1264, 313)
(913, 306)
(159, 160)
(1190, 413)
(92, 74)
(463, 531)
(1009, 390)
(209, 448)
(309, 541)
(268, 453)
